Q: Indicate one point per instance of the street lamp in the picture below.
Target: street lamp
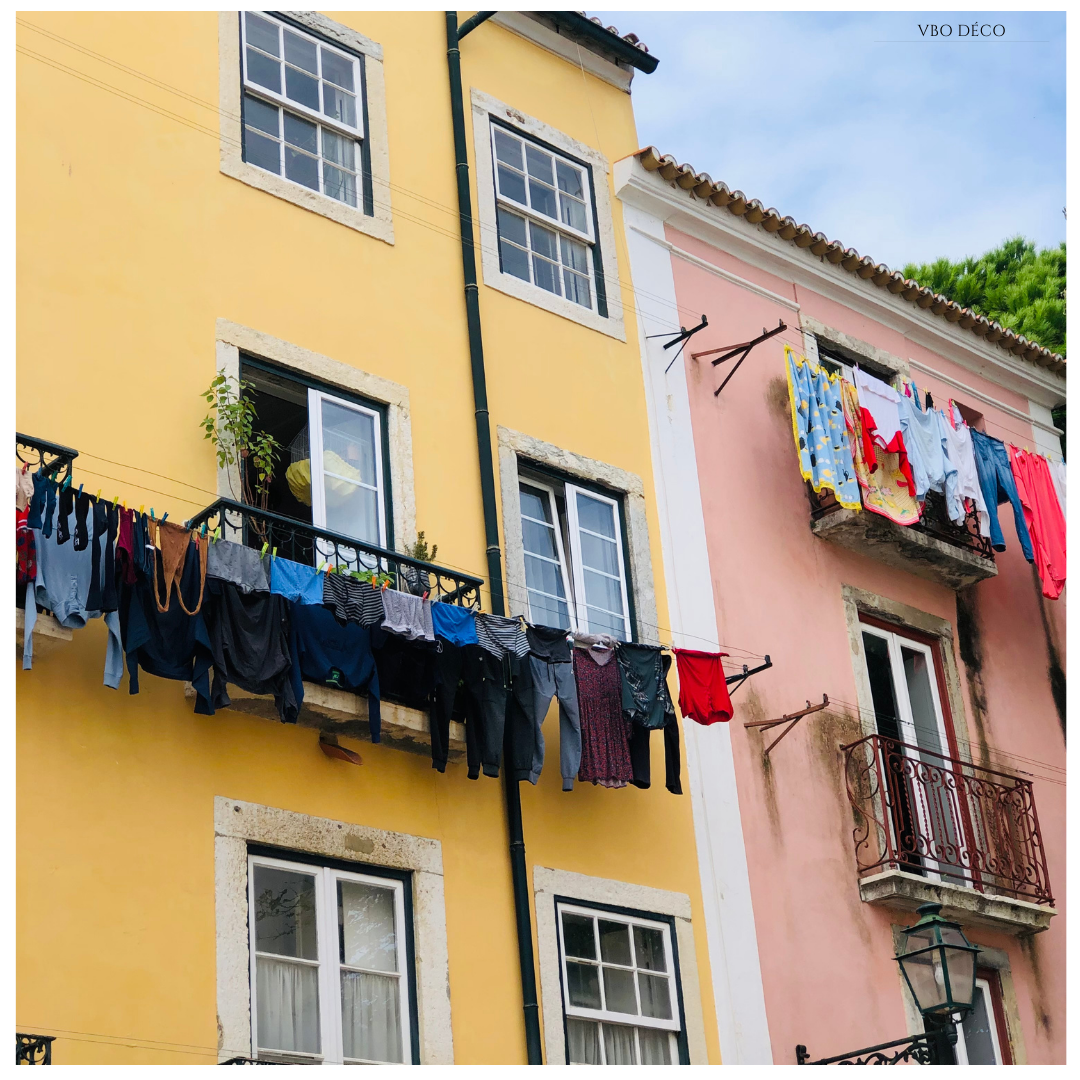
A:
(938, 963)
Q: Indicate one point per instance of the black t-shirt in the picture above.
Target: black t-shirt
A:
(549, 643)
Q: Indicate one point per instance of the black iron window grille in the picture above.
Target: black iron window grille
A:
(53, 458)
(33, 1049)
(313, 546)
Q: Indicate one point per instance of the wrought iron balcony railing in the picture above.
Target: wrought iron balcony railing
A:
(309, 544)
(33, 1049)
(39, 454)
(945, 819)
(935, 522)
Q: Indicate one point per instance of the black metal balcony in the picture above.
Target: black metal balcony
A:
(33, 1049)
(38, 454)
(306, 543)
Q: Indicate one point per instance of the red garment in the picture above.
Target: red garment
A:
(125, 555)
(1043, 517)
(703, 692)
(25, 552)
(872, 439)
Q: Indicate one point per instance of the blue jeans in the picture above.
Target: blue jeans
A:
(997, 483)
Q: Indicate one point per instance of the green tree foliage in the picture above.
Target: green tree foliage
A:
(1015, 285)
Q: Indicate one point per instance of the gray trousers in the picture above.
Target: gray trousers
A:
(534, 688)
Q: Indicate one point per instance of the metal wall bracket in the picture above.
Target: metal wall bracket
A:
(791, 719)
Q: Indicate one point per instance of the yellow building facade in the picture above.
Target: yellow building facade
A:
(168, 231)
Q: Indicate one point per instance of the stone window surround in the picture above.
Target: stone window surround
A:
(995, 959)
(513, 445)
(484, 106)
(813, 329)
(549, 883)
(232, 339)
(380, 225)
(238, 823)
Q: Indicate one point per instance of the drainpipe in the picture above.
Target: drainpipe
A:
(522, 909)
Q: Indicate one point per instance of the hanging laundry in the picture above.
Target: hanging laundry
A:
(82, 513)
(327, 652)
(298, 583)
(407, 615)
(65, 508)
(24, 487)
(249, 640)
(605, 748)
(886, 487)
(352, 600)
(925, 445)
(453, 623)
(103, 595)
(879, 409)
(703, 692)
(1057, 474)
(545, 673)
(240, 565)
(407, 671)
(600, 646)
(43, 488)
(640, 750)
(175, 544)
(170, 644)
(817, 418)
(500, 635)
(127, 559)
(645, 696)
(1043, 516)
(997, 483)
(957, 437)
(25, 557)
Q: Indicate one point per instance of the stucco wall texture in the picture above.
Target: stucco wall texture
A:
(829, 977)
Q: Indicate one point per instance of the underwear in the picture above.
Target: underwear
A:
(454, 624)
(173, 542)
(703, 692)
(296, 582)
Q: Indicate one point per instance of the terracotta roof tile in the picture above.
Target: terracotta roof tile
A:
(802, 236)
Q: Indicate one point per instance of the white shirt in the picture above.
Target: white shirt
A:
(881, 401)
(962, 455)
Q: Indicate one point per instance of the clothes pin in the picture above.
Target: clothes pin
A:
(98, 495)
(321, 566)
(79, 494)
(264, 547)
(275, 553)
(142, 507)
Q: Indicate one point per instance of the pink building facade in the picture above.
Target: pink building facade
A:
(810, 854)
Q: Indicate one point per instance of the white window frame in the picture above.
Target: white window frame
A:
(354, 134)
(315, 449)
(329, 977)
(575, 529)
(991, 1015)
(549, 494)
(673, 1026)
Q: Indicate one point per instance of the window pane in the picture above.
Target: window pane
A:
(301, 52)
(337, 69)
(536, 504)
(301, 87)
(339, 150)
(539, 165)
(575, 255)
(262, 33)
(573, 213)
(578, 937)
(577, 288)
(615, 943)
(287, 997)
(977, 1037)
(596, 516)
(371, 1016)
(584, 1042)
(366, 923)
(917, 672)
(570, 180)
(302, 168)
(339, 104)
(583, 985)
(261, 151)
(349, 435)
(352, 510)
(601, 622)
(599, 554)
(512, 185)
(514, 260)
(882, 690)
(260, 115)
(655, 999)
(301, 133)
(264, 71)
(548, 611)
(507, 149)
(542, 199)
(539, 539)
(619, 1045)
(285, 913)
(546, 274)
(655, 1046)
(543, 575)
(649, 948)
(619, 991)
(339, 185)
(602, 592)
(512, 227)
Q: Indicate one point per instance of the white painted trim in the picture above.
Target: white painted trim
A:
(485, 106)
(725, 881)
(335, 31)
(514, 445)
(380, 226)
(522, 24)
(726, 275)
(713, 225)
(232, 338)
(238, 823)
(549, 883)
(578, 557)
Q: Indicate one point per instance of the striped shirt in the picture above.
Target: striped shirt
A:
(352, 600)
(499, 635)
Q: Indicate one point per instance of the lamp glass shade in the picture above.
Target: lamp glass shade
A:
(938, 963)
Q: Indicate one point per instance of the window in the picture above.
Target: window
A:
(620, 992)
(982, 1038)
(303, 114)
(332, 471)
(545, 217)
(329, 970)
(586, 591)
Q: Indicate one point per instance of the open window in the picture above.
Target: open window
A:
(983, 1037)
(575, 565)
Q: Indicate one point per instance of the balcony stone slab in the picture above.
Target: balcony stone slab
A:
(904, 548)
(338, 712)
(902, 891)
(48, 634)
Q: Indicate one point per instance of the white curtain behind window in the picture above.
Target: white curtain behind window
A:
(370, 1017)
(288, 1006)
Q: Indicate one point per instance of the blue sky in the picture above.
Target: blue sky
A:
(901, 147)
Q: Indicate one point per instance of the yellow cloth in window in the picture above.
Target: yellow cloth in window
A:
(339, 489)
(883, 490)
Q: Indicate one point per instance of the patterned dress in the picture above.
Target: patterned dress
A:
(605, 749)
